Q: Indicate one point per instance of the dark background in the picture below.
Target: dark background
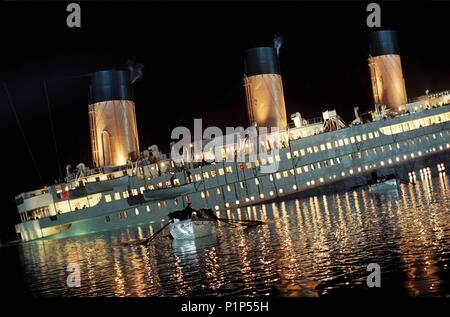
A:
(193, 58)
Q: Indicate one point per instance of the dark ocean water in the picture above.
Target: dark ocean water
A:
(309, 247)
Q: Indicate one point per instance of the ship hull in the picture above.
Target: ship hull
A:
(234, 185)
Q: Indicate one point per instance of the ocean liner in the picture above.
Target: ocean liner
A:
(127, 187)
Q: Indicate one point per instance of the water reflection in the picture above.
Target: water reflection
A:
(308, 247)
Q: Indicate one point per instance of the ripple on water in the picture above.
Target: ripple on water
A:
(308, 247)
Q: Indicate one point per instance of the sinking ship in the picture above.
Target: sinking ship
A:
(127, 187)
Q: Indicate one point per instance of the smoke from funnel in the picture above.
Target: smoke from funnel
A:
(277, 43)
(136, 71)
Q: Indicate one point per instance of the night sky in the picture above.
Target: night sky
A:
(193, 58)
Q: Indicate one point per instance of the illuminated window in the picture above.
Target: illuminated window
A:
(358, 138)
(329, 146)
(288, 155)
(299, 170)
(309, 150)
(270, 159)
(278, 175)
(218, 190)
(341, 143)
(277, 158)
(221, 172)
(202, 195)
(229, 188)
(108, 198)
(302, 152)
(315, 148)
(248, 165)
(346, 142)
(263, 161)
(352, 139)
(256, 181)
(271, 177)
(364, 137)
(370, 135)
(116, 196)
(229, 169)
(305, 168)
(285, 174)
(295, 153)
(242, 184)
(322, 147)
(147, 208)
(136, 211)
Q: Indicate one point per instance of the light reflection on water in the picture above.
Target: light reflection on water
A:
(313, 246)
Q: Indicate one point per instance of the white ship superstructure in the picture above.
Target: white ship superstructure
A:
(313, 156)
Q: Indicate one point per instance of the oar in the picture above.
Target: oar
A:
(405, 182)
(241, 222)
(147, 239)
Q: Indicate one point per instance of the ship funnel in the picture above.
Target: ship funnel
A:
(112, 118)
(264, 88)
(388, 84)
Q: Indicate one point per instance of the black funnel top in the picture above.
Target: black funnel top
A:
(383, 42)
(261, 60)
(110, 85)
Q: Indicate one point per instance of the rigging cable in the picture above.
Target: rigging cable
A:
(53, 130)
(22, 132)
